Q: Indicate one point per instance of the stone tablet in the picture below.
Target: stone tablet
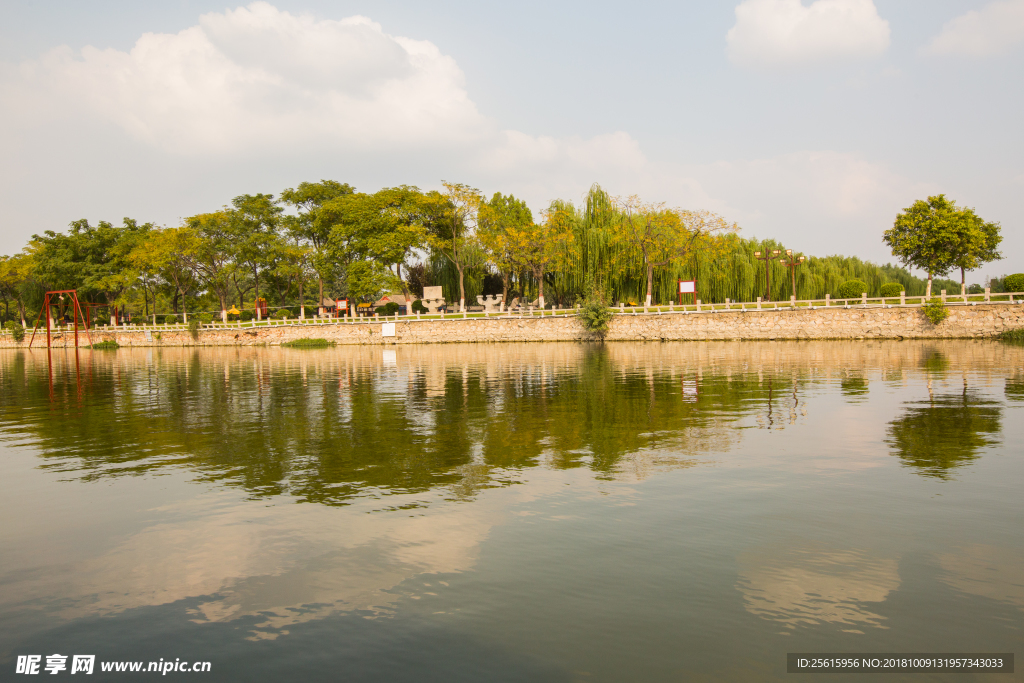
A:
(433, 293)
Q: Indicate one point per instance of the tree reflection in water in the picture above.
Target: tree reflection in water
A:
(945, 432)
(326, 427)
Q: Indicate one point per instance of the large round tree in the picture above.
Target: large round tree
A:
(936, 235)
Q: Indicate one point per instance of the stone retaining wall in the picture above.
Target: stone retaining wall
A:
(971, 321)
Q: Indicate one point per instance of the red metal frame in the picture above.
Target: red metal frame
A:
(46, 309)
(88, 312)
(679, 290)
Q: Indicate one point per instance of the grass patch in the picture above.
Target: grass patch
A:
(1012, 336)
(108, 345)
(308, 343)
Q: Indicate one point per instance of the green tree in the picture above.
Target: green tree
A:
(253, 225)
(450, 218)
(540, 247)
(977, 243)
(212, 259)
(498, 220)
(312, 226)
(15, 275)
(96, 260)
(170, 252)
(927, 235)
(659, 236)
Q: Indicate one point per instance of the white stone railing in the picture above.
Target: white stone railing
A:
(1008, 298)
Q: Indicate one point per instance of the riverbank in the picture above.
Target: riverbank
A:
(837, 322)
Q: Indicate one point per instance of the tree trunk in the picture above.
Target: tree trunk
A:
(540, 288)
(223, 308)
(21, 308)
(176, 292)
(963, 283)
(320, 301)
(504, 286)
(928, 292)
(462, 293)
(405, 290)
(650, 282)
(302, 302)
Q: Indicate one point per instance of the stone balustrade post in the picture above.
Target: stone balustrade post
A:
(827, 298)
(942, 294)
(698, 304)
(759, 303)
(903, 297)
(863, 298)
(988, 294)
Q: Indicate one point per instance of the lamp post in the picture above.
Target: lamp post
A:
(792, 263)
(768, 256)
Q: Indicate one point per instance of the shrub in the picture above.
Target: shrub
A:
(308, 343)
(109, 345)
(280, 314)
(595, 314)
(193, 327)
(246, 315)
(1013, 336)
(204, 318)
(390, 308)
(17, 331)
(975, 289)
(418, 307)
(852, 289)
(1014, 283)
(171, 319)
(891, 289)
(935, 311)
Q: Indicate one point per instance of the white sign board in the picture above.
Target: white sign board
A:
(430, 293)
(387, 329)
(687, 287)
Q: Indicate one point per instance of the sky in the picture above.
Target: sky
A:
(813, 123)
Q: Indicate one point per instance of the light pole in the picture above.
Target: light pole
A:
(768, 256)
(792, 263)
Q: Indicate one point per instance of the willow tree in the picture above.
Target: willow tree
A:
(659, 236)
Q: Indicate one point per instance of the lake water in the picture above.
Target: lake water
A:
(507, 512)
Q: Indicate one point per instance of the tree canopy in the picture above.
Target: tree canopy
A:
(936, 236)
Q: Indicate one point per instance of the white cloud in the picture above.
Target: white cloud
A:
(774, 33)
(256, 99)
(258, 76)
(993, 29)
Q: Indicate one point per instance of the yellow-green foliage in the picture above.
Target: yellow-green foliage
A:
(935, 311)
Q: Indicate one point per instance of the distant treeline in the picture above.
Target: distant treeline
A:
(324, 240)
